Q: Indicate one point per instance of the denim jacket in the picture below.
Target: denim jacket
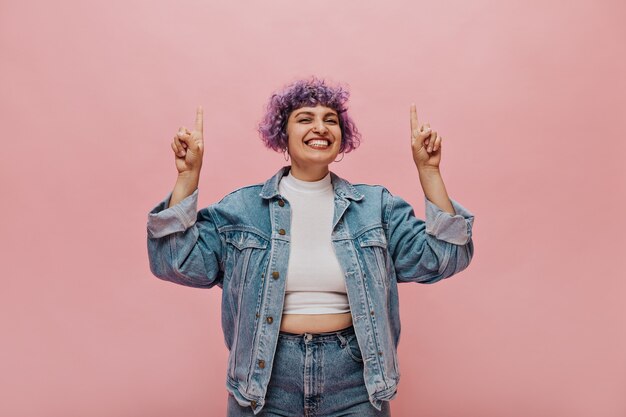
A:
(241, 244)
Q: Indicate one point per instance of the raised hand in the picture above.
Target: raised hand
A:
(189, 147)
(425, 143)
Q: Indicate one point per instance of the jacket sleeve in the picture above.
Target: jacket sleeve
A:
(184, 245)
(427, 251)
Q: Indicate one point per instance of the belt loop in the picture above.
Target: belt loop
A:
(342, 339)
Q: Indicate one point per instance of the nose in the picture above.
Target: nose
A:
(320, 127)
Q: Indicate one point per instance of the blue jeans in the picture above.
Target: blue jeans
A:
(315, 374)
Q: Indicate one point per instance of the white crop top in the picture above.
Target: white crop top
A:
(315, 282)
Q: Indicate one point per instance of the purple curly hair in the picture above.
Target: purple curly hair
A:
(301, 93)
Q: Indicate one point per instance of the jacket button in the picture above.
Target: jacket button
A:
(281, 232)
(281, 203)
(257, 315)
(270, 320)
(253, 404)
(261, 363)
(275, 274)
(372, 312)
(380, 352)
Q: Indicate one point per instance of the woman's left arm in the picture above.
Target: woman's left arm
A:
(426, 147)
(431, 250)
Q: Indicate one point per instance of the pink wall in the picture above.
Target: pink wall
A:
(529, 96)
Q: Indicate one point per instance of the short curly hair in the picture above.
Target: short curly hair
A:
(301, 93)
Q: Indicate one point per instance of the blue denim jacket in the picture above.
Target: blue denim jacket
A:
(241, 244)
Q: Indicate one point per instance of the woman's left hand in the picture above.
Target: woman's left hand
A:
(425, 143)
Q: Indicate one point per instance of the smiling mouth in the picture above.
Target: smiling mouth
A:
(318, 143)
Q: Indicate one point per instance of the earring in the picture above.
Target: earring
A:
(286, 155)
(342, 155)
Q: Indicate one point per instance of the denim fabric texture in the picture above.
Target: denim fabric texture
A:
(241, 244)
(315, 375)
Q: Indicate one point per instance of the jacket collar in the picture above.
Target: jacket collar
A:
(341, 187)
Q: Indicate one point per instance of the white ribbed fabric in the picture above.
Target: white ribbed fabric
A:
(315, 282)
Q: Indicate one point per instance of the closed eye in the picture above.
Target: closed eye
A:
(308, 120)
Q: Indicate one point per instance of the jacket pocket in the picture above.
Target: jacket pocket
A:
(373, 245)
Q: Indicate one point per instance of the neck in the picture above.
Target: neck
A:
(308, 173)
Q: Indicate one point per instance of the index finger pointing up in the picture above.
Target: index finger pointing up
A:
(199, 116)
(414, 123)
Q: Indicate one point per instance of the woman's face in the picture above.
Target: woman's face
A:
(314, 136)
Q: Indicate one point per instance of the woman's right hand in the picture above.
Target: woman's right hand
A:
(188, 147)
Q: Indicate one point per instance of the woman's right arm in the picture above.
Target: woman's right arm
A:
(184, 245)
(188, 149)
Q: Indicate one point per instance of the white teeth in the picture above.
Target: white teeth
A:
(318, 143)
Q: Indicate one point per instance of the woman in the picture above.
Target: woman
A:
(309, 263)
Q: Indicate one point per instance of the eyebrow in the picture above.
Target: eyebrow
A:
(313, 114)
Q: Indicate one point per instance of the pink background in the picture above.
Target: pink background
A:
(529, 97)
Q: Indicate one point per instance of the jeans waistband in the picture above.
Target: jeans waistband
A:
(317, 336)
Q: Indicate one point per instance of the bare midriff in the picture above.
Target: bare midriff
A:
(314, 323)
